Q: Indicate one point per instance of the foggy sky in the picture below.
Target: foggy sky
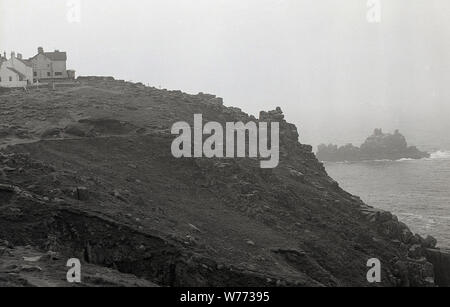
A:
(336, 76)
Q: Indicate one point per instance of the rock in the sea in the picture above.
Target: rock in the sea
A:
(379, 146)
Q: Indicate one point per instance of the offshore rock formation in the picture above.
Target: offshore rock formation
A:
(379, 146)
(87, 172)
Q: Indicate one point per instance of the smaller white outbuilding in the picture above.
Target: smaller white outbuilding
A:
(15, 72)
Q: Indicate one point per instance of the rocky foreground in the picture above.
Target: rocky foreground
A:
(87, 172)
(25, 266)
(378, 146)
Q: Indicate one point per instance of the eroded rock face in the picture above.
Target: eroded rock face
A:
(414, 267)
(379, 146)
(111, 193)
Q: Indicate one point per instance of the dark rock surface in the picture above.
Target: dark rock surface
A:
(110, 193)
(25, 266)
(441, 261)
(379, 146)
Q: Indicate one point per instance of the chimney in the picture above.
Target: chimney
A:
(4, 55)
(19, 56)
(40, 50)
(13, 55)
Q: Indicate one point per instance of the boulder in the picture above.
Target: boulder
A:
(429, 242)
(415, 251)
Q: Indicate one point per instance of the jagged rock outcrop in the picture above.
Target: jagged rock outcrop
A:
(379, 146)
(415, 266)
(107, 189)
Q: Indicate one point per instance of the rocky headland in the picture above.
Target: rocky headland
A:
(86, 171)
(378, 146)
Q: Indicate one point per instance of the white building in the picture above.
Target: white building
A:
(43, 67)
(50, 65)
(15, 72)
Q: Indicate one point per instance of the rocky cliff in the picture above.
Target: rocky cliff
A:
(379, 146)
(87, 172)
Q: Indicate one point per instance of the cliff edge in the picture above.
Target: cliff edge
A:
(87, 172)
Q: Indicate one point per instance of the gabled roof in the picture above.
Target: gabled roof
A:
(26, 62)
(17, 72)
(56, 56)
(53, 56)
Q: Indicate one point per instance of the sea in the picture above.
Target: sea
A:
(417, 191)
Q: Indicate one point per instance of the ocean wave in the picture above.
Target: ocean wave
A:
(437, 155)
(439, 217)
(412, 215)
(360, 161)
(440, 154)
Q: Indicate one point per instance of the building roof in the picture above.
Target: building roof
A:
(53, 56)
(17, 72)
(26, 62)
(56, 56)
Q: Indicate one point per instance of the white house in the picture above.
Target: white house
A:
(50, 65)
(44, 66)
(15, 72)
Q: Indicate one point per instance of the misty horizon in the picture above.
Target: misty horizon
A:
(207, 147)
(334, 74)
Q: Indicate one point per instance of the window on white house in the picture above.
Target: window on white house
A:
(58, 73)
(49, 74)
(35, 74)
(10, 79)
